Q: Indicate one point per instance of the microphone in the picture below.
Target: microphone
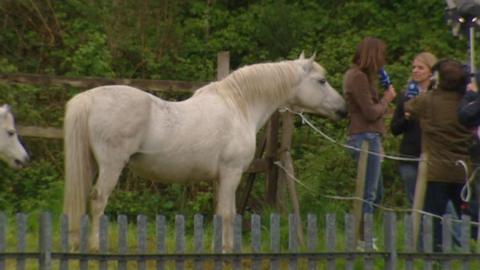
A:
(384, 79)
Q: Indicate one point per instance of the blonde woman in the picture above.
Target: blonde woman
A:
(410, 145)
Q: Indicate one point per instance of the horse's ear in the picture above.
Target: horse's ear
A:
(4, 109)
(302, 56)
(308, 64)
(312, 58)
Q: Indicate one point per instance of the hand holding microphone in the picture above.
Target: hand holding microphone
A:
(386, 83)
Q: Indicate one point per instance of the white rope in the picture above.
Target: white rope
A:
(350, 198)
(465, 192)
(305, 120)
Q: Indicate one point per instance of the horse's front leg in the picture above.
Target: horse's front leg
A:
(228, 184)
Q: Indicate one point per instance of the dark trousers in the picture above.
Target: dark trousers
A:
(437, 196)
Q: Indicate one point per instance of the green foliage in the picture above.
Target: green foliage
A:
(179, 40)
(32, 190)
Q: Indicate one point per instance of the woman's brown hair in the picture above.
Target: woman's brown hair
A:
(370, 56)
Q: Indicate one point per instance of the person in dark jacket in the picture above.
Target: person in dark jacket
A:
(469, 116)
(469, 110)
(410, 146)
(444, 139)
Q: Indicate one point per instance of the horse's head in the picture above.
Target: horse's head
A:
(11, 150)
(314, 94)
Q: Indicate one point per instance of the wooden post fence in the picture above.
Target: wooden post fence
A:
(419, 197)
(156, 249)
(359, 190)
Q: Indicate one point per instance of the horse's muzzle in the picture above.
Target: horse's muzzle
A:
(20, 163)
(341, 113)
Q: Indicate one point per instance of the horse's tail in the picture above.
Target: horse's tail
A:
(79, 163)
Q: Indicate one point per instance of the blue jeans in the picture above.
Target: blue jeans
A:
(408, 174)
(372, 175)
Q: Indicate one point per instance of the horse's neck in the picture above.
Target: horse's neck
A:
(271, 91)
(259, 115)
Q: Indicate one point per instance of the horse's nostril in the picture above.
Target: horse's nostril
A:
(342, 113)
(18, 163)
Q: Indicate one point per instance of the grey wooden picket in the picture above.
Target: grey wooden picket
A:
(3, 244)
(408, 241)
(276, 255)
(103, 237)
(64, 241)
(237, 242)
(447, 240)
(45, 242)
(21, 241)
(331, 241)
(427, 240)
(312, 241)
(350, 240)
(390, 240)
(142, 240)
(84, 224)
(256, 236)
(179, 241)
(368, 239)
(292, 241)
(198, 238)
(217, 240)
(122, 241)
(465, 240)
(160, 228)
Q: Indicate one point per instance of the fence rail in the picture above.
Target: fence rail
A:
(90, 82)
(154, 248)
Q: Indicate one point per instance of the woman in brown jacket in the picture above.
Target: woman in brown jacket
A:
(366, 110)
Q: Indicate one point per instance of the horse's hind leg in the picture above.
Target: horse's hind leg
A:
(108, 175)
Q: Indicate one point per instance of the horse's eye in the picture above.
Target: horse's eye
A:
(10, 133)
(322, 81)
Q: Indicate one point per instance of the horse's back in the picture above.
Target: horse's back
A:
(117, 118)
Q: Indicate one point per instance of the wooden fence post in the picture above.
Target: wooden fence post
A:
(271, 155)
(359, 190)
(285, 175)
(223, 64)
(419, 197)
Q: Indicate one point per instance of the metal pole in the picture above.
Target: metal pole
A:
(472, 48)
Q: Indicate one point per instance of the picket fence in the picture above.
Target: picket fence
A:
(336, 249)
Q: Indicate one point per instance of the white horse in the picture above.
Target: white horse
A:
(210, 136)
(11, 150)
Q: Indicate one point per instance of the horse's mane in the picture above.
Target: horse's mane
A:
(270, 82)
